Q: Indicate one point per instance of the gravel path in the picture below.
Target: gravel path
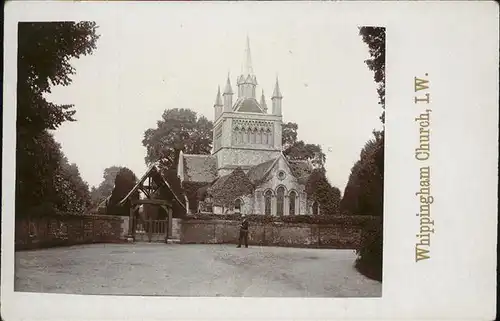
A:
(192, 270)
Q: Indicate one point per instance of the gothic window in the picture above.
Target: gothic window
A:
(280, 200)
(267, 201)
(269, 138)
(253, 133)
(258, 139)
(315, 208)
(247, 136)
(264, 138)
(235, 135)
(237, 205)
(292, 197)
(240, 136)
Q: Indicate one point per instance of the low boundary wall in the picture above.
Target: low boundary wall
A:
(336, 235)
(65, 230)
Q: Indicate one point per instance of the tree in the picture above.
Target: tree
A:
(179, 129)
(298, 150)
(35, 186)
(52, 184)
(364, 190)
(363, 194)
(320, 190)
(289, 135)
(73, 193)
(124, 182)
(374, 37)
(105, 188)
(44, 53)
(302, 151)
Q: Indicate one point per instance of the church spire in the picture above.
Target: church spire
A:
(247, 80)
(248, 69)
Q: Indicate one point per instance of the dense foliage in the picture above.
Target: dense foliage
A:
(48, 184)
(45, 182)
(178, 129)
(44, 53)
(374, 37)
(105, 188)
(320, 190)
(364, 191)
(235, 185)
(295, 149)
(124, 182)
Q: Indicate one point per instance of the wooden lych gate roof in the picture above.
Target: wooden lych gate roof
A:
(155, 173)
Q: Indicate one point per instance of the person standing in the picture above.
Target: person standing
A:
(243, 231)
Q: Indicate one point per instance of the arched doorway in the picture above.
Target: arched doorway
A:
(280, 201)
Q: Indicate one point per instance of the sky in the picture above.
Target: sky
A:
(149, 60)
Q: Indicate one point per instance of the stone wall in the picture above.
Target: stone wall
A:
(176, 228)
(275, 233)
(67, 230)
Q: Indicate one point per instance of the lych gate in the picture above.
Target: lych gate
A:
(151, 191)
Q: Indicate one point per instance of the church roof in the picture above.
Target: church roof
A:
(229, 187)
(200, 168)
(165, 177)
(248, 105)
(256, 174)
(301, 170)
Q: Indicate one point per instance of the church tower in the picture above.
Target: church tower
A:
(244, 133)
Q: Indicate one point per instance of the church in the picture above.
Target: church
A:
(247, 172)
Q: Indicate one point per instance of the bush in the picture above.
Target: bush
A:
(369, 261)
(347, 220)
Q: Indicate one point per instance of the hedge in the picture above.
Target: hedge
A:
(345, 220)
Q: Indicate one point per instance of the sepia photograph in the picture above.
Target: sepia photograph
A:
(288, 160)
(164, 159)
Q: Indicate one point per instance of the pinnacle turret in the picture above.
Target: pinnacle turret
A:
(263, 102)
(277, 97)
(277, 91)
(228, 95)
(218, 98)
(228, 90)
